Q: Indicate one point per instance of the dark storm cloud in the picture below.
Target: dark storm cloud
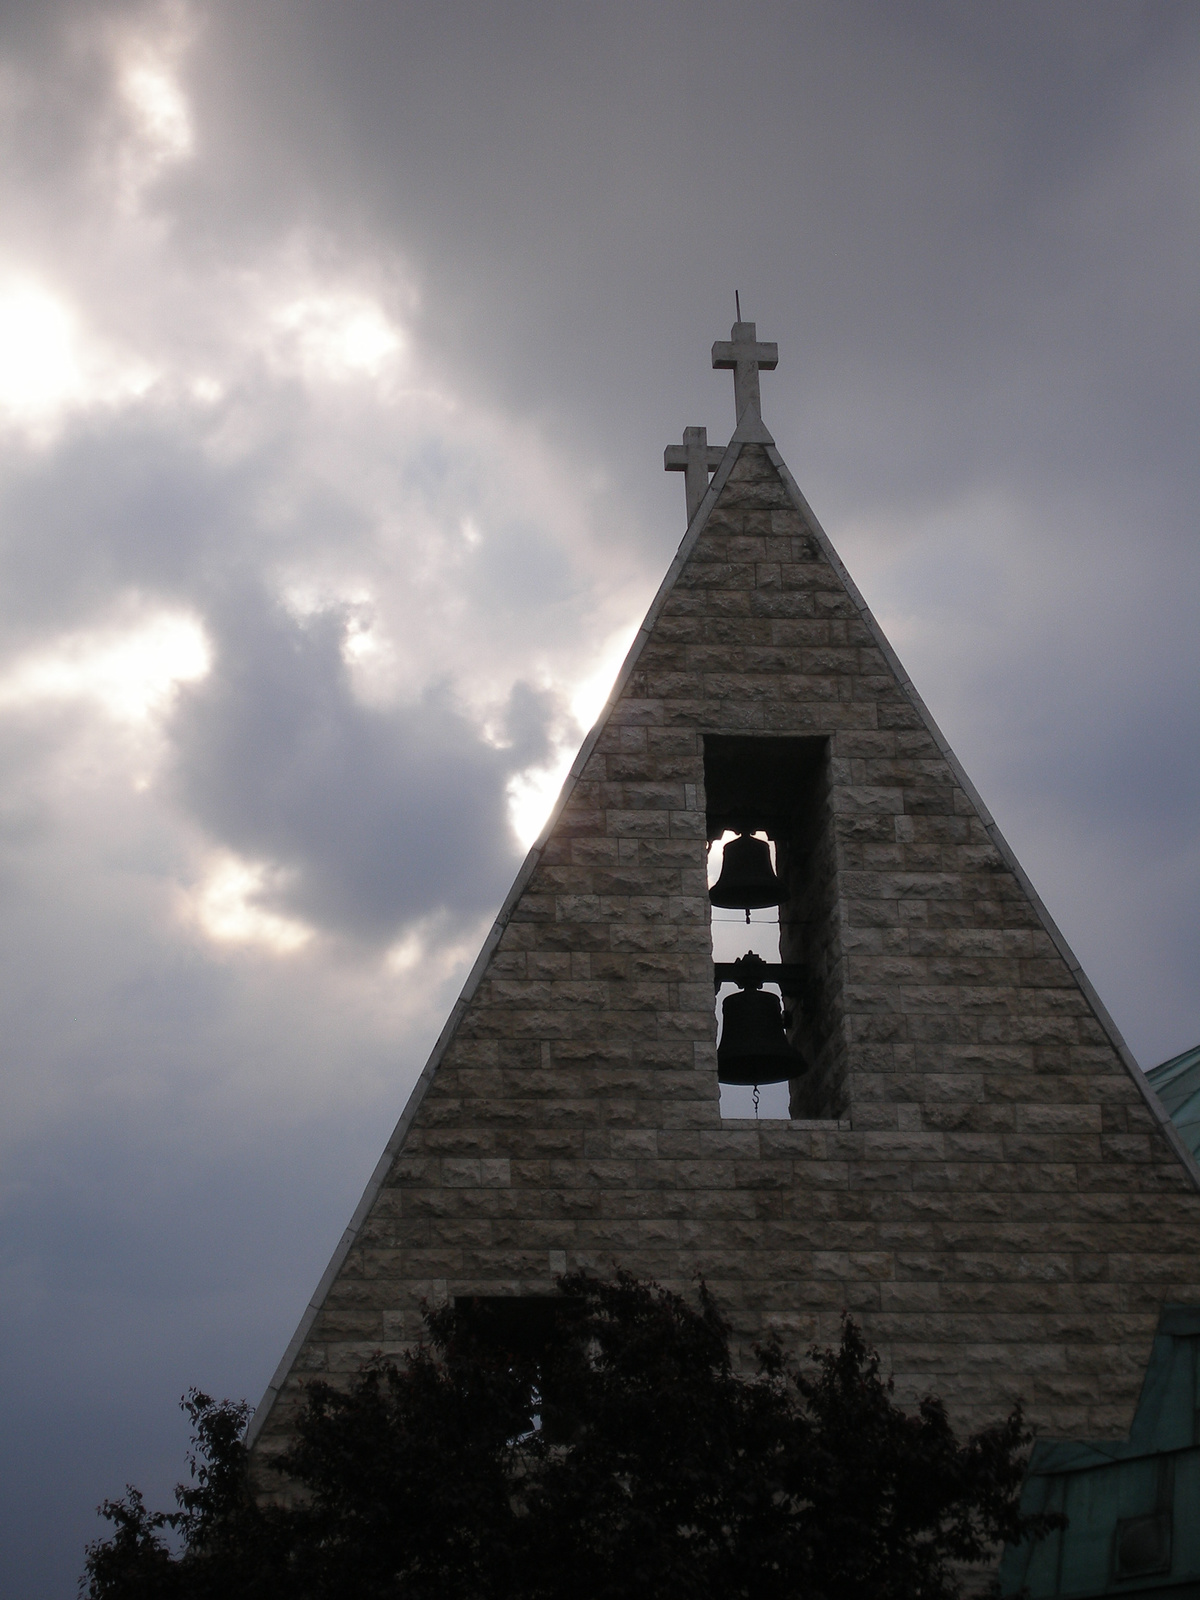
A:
(904, 189)
(376, 817)
(117, 505)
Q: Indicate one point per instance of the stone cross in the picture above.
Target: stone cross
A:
(746, 356)
(695, 458)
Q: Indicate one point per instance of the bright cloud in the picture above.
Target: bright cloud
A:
(160, 109)
(49, 366)
(425, 950)
(224, 907)
(339, 335)
(158, 129)
(39, 365)
(591, 695)
(531, 796)
(131, 674)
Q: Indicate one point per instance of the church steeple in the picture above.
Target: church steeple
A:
(973, 1165)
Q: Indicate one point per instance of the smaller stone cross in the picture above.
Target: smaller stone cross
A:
(746, 356)
(695, 458)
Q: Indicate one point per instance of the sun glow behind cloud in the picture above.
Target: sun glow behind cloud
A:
(531, 796)
(39, 368)
(590, 696)
(50, 367)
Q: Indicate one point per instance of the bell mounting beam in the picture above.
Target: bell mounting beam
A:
(789, 975)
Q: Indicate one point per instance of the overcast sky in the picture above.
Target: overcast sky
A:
(339, 344)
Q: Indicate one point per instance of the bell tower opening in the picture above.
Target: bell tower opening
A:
(772, 875)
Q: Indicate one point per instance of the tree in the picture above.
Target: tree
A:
(619, 1455)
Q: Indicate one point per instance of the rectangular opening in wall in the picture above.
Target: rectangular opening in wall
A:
(777, 788)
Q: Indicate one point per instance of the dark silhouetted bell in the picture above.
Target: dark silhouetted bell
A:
(747, 878)
(754, 1047)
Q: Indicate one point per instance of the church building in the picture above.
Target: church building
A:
(918, 1110)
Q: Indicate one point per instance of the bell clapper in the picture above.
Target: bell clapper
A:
(756, 1102)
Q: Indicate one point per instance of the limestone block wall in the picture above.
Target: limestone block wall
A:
(987, 1190)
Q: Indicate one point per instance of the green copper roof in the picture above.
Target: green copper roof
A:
(1177, 1085)
(1130, 1504)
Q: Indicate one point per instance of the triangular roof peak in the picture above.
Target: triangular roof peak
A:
(970, 1096)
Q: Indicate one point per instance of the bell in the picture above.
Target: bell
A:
(754, 1048)
(747, 879)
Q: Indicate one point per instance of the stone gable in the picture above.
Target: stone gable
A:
(972, 1166)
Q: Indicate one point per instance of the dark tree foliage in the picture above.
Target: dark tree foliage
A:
(626, 1457)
